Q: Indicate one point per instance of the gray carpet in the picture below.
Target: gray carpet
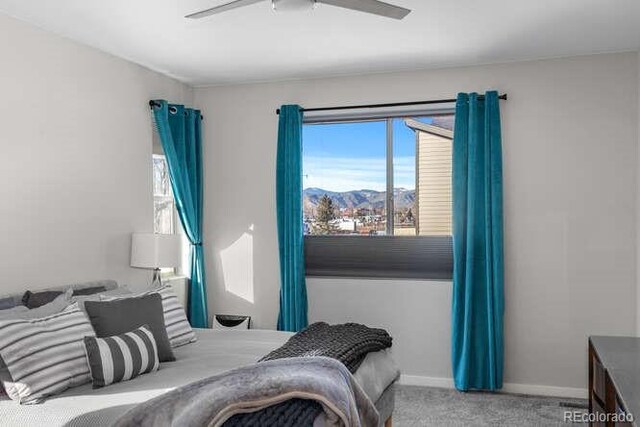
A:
(424, 406)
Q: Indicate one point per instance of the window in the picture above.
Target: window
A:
(164, 212)
(377, 196)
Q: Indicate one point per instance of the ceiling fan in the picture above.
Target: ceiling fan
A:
(368, 6)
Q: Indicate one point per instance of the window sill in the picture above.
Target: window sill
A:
(170, 277)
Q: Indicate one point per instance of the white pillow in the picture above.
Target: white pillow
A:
(61, 302)
(175, 319)
(122, 291)
(45, 356)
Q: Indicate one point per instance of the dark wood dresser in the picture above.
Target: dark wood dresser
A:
(614, 380)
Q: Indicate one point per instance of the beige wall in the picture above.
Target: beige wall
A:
(570, 131)
(75, 167)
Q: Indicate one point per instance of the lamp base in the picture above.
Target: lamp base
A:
(156, 282)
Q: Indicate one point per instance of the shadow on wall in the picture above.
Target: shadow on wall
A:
(237, 267)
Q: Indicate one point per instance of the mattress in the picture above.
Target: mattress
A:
(213, 353)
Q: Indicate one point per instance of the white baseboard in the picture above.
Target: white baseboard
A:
(426, 381)
(532, 389)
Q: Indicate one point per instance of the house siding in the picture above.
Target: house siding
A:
(433, 172)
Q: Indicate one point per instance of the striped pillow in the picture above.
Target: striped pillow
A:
(178, 328)
(121, 357)
(45, 356)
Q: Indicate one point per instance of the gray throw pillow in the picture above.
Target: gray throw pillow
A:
(121, 316)
(38, 299)
(134, 353)
(175, 319)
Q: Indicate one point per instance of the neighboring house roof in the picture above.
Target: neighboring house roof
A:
(429, 128)
(445, 122)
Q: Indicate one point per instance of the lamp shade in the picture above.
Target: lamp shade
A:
(150, 250)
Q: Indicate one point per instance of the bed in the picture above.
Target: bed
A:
(214, 352)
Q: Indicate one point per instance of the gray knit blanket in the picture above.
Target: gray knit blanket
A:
(348, 343)
(326, 383)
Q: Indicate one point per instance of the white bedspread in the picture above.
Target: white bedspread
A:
(213, 353)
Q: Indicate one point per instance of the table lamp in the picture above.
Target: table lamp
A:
(155, 251)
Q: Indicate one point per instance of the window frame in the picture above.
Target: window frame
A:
(175, 219)
(392, 256)
(170, 198)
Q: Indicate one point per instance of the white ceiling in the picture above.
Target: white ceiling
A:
(257, 44)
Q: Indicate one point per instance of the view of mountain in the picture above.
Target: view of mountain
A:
(368, 199)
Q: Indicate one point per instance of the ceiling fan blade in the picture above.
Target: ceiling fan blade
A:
(222, 8)
(370, 6)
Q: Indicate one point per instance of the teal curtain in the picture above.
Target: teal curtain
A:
(293, 289)
(179, 130)
(478, 298)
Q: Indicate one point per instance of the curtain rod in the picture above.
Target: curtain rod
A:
(394, 104)
(157, 104)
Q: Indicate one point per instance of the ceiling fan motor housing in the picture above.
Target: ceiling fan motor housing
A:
(292, 5)
(375, 7)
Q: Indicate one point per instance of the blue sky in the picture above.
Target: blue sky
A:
(352, 156)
